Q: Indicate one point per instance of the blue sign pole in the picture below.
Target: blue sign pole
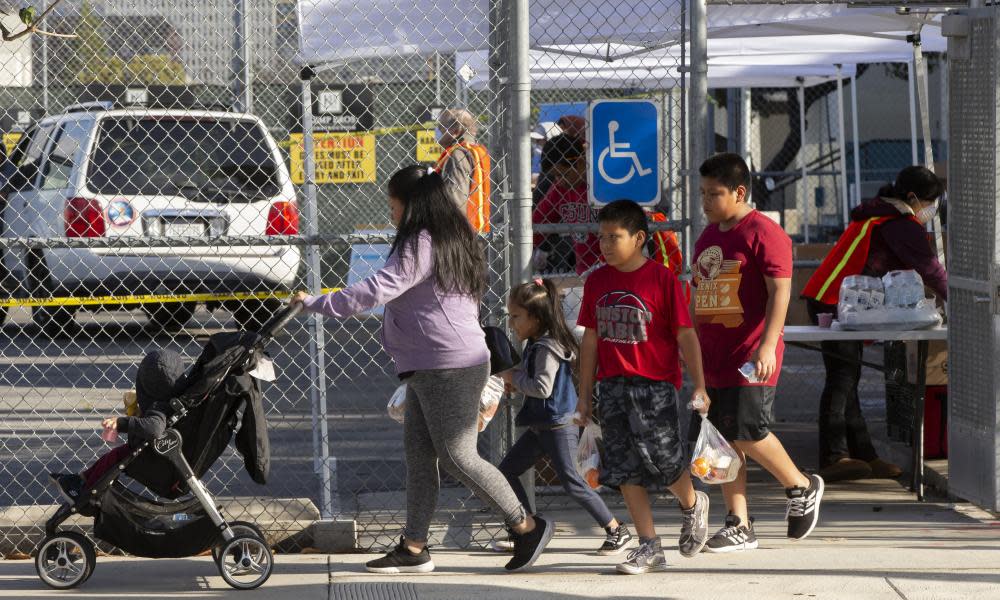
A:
(624, 154)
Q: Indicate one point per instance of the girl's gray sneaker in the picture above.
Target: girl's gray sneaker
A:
(647, 557)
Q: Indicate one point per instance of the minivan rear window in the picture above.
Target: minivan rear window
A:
(207, 160)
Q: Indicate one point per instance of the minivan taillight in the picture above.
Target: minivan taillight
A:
(282, 219)
(84, 218)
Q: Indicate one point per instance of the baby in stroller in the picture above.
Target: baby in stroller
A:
(160, 378)
(189, 418)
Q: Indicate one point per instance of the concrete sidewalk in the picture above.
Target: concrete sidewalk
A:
(874, 541)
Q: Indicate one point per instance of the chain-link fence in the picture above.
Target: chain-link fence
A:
(161, 190)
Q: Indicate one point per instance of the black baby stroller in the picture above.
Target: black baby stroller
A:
(220, 393)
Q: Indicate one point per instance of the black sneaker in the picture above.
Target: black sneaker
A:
(617, 540)
(528, 547)
(401, 560)
(802, 511)
(734, 537)
(70, 485)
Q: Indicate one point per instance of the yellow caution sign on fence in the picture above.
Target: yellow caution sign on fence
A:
(340, 157)
(428, 150)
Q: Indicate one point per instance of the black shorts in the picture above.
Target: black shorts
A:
(739, 413)
(642, 440)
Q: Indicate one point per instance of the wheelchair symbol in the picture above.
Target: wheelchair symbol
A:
(620, 150)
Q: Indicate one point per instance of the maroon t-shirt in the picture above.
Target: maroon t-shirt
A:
(731, 294)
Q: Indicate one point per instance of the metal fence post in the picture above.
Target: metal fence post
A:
(842, 146)
(317, 333)
(520, 155)
(242, 94)
(698, 123)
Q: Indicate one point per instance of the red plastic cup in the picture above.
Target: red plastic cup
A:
(109, 435)
(825, 320)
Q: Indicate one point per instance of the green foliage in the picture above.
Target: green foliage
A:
(27, 15)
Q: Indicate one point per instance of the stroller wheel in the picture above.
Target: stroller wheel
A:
(65, 560)
(245, 562)
(239, 528)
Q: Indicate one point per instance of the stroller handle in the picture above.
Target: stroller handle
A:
(280, 319)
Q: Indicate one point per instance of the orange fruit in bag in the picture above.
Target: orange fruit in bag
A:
(700, 467)
(592, 478)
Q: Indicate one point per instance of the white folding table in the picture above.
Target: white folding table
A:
(804, 336)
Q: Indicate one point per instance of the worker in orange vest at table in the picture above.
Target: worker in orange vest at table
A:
(465, 165)
(886, 233)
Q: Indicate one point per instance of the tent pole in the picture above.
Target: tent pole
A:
(857, 143)
(698, 125)
(920, 69)
(520, 111)
(317, 333)
(746, 114)
(911, 86)
(842, 142)
(802, 158)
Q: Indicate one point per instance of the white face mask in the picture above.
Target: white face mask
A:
(926, 214)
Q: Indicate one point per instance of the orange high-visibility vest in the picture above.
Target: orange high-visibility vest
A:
(666, 249)
(848, 257)
(478, 206)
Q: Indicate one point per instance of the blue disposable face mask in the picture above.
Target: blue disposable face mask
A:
(438, 135)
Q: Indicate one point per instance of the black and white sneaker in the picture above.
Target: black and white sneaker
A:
(802, 511)
(529, 546)
(617, 540)
(70, 485)
(401, 560)
(734, 537)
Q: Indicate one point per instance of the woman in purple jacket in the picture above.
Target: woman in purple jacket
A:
(431, 287)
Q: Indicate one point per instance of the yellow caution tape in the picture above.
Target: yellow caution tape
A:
(146, 299)
(287, 143)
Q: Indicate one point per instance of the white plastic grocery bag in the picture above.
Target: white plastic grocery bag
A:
(588, 455)
(489, 402)
(397, 404)
(714, 460)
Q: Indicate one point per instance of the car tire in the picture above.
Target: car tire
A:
(54, 321)
(170, 316)
(252, 314)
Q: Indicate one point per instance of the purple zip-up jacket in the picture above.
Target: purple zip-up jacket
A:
(423, 327)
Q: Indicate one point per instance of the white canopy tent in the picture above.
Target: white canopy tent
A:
(582, 43)
(344, 30)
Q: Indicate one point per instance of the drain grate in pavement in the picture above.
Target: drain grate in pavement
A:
(373, 591)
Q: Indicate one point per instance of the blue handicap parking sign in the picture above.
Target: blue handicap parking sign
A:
(624, 152)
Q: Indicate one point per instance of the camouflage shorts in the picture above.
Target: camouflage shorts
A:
(642, 441)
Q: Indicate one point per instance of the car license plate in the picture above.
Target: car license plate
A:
(184, 229)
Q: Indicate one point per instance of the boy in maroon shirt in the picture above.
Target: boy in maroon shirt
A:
(742, 273)
(636, 322)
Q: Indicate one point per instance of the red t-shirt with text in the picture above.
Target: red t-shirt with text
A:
(570, 205)
(636, 316)
(731, 294)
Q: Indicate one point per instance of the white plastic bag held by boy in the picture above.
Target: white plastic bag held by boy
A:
(714, 460)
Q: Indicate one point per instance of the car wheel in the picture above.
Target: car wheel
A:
(55, 321)
(170, 316)
(252, 314)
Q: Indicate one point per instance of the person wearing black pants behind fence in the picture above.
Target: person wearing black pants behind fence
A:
(546, 380)
(431, 287)
(886, 234)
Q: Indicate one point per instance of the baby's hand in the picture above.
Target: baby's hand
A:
(110, 423)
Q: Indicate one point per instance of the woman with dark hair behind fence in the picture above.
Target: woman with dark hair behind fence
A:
(886, 233)
(431, 287)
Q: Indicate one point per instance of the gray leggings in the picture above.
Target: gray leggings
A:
(442, 411)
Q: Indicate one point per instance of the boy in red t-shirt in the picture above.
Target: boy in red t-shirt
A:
(636, 318)
(742, 274)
